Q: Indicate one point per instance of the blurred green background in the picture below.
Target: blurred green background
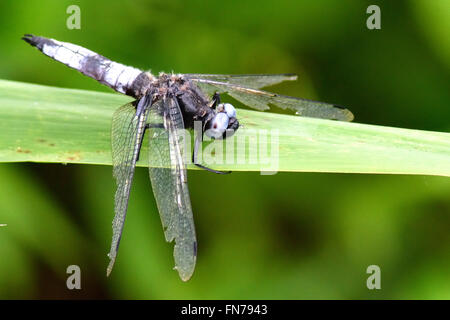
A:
(286, 236)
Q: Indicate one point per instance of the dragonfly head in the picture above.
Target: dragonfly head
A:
(224, 124)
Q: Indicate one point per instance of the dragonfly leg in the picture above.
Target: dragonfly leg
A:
(216, 100)
(148, 125)
(198, 139)
(140, 143)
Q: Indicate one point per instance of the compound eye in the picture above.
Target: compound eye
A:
(229, 110)
(218, 125)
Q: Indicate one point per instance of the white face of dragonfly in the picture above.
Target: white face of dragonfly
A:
(223, 120)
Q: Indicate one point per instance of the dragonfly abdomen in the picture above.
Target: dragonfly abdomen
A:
(115, 75)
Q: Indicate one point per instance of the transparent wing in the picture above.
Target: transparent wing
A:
(255, 81)
(169, 182)
(126, 136)
(261, 100)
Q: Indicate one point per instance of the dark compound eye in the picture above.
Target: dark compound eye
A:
(233, 125)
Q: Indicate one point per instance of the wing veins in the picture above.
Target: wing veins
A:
(126, 136)
(261, 100)
(168, 176)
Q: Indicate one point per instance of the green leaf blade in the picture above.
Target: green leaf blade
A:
(47, 124)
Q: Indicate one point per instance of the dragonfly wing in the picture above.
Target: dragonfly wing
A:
(261, 100)
(126, 137)
(168, 176)
(255, 81)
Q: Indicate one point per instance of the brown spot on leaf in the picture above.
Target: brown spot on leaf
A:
(75, 156)
(20, 150)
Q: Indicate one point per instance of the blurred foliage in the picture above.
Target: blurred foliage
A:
(287, 236)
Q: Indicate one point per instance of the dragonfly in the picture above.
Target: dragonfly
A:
(165, 105)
